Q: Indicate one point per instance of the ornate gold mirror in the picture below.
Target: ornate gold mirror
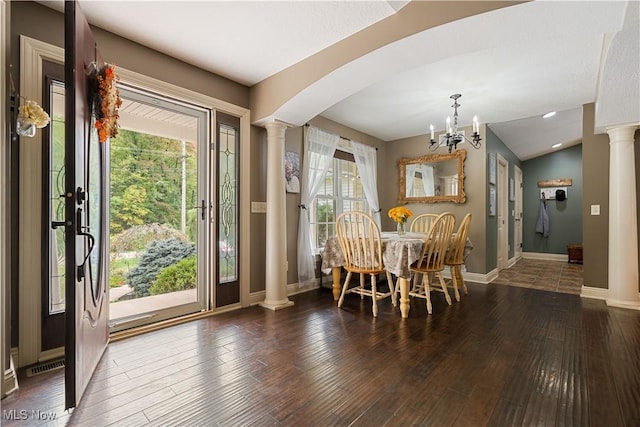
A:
(432, 178)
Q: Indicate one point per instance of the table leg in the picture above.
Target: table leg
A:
(404, 297)
(337, 274)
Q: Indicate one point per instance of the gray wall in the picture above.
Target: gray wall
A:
(565, 218)
(495, 145)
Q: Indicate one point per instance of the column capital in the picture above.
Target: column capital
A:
(276, 127)
(622, 133)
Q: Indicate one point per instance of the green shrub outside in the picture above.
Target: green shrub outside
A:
(158, 256)
(177, 277)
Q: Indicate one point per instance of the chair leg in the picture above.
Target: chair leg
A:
(416, 286)
(361, 286)
(454, 280)
(461, 279)
(427, 293)
(344, 289)
(374, 295)
(443, 285)
(392, 289)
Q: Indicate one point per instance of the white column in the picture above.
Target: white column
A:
(276, 239)
(623, 225)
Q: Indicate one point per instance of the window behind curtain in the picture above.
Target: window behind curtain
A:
(342, 191)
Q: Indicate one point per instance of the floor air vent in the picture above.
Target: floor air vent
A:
(45, 367)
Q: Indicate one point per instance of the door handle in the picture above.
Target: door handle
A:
(202, 208)
(92, 241)
(56, 224)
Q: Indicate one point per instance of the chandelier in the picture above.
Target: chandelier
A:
(453, 136)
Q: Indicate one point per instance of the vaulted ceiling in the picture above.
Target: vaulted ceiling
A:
(511, 64)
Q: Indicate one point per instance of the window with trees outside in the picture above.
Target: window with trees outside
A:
(341, 191)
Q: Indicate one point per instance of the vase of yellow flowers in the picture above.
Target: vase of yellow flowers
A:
(400, 214)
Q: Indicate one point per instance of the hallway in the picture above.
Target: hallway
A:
(556, 276)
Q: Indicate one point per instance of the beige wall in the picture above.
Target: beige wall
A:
(474, 186)
(258, 220)
(42, 23)
(388, 176)
(595, 191)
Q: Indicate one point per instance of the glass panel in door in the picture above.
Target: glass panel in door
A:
(56, 200)
(158, 211)
(227, 141)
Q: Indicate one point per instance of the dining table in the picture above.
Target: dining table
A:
(399, 251)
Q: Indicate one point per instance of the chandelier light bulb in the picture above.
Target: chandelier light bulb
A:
(454, 136)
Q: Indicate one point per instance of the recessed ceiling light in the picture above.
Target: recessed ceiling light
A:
(549, 114)
(556, 145)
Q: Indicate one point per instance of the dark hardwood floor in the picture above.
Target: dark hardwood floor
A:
(502, 356)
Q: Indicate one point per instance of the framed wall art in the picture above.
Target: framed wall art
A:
(492, 168)
(292, 171)
(492, 200)
(512, 190)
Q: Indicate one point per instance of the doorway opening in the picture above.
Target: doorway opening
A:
(159, 211)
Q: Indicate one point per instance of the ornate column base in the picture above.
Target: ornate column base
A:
(633, 305)
(276, 305)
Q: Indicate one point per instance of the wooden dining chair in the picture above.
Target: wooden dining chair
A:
(422, 223)
(455, 255)
(359, 238)
(431, 261)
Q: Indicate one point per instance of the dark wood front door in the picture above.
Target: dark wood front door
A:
(85, 204)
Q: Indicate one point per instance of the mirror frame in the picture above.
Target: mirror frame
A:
(459, 155)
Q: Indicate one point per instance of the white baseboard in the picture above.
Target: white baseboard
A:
(257, 297)
(9, 379)
(595, 293)
(55, 353)
(511, 262)
(294, 288)
(473, 277)
(545, 256)
(15, 355)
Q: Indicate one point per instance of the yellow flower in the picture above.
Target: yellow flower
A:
(33, 114)
(400, 214)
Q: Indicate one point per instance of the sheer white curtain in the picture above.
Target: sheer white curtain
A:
(367, 165)
(319, 148)
(410, 178)
(428, 183)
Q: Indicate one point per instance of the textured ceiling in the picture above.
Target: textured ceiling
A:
(511, 65)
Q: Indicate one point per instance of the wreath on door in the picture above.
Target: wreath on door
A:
(107, 102)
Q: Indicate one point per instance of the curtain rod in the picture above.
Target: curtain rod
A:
(348, 139)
